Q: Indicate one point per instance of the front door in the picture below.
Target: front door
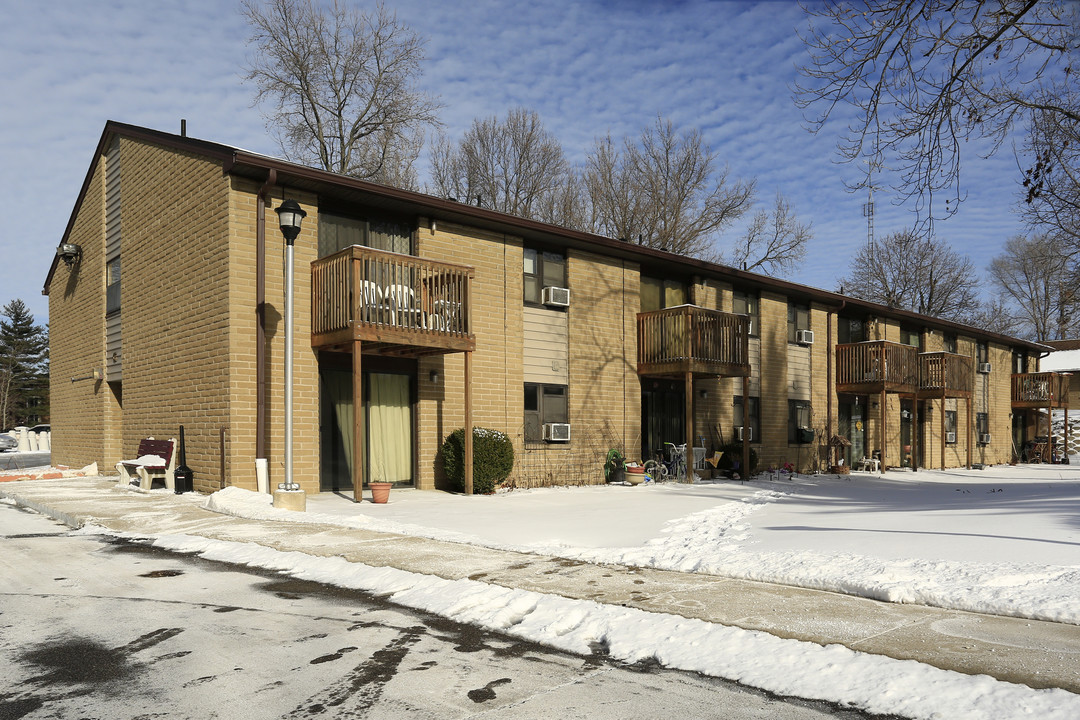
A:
(853, 426)
(907, 422)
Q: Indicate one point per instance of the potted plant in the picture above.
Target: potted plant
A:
(614, 466)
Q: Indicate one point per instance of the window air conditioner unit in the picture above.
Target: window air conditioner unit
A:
(950, 437)
(984, 368)
(555, 296)
(557, 432)
(739, 433)
(804, 337)
(984, 438)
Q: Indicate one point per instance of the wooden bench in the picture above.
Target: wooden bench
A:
(147, 472)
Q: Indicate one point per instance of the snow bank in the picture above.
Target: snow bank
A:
(786, 667)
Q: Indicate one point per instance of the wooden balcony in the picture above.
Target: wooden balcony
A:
(395, 304)
(877, 366)
(943, 374)
(689, 339)
(1040, 390)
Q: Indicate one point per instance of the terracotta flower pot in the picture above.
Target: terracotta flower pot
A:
(380, 491)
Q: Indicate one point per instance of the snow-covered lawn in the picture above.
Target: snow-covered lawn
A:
(1003, 540)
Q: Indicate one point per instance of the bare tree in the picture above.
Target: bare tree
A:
(905, 271)
(997, 316)
(925, 77)
(514, 166)
(774, 242)
(1052, 183)
(663, 191)
(1034, 275)
(341, 85)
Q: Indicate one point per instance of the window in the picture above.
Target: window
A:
(982, 352)
(982, 426)
(910, 336)
(948, 341)
(850, 330)
(112, 285)
(337, 232)
(541, 270)
(1019, 361)
(658, 294)
(544, 404)
(755, 417)
(799, 430)
(744, 303)
(950, 427)
(798, 318)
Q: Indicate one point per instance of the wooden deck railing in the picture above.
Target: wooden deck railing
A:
(1040, 390)
(948, 373)
(875, 366)
(693, 339)
(367, 294)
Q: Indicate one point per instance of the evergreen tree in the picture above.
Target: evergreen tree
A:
(24, 367)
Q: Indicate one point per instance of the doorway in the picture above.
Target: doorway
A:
(663, 415)
(389, 423)
(907, 423)
(852, 425)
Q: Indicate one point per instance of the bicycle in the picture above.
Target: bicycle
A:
(662, 470)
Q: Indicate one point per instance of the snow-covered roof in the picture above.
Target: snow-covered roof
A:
(1061, 360)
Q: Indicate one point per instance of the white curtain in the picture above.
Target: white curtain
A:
(389, 428)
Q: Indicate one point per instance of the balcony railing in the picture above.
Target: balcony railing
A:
(687, 338)
(942, 373)
(1040, 390)
(398, 304)
(876, 366)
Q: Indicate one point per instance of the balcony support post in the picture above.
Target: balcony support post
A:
(689, 456)
(884, 429)
(468, 425)
(358, 423)
(943, 426)
(746, 428)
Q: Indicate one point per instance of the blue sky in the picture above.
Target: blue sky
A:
(587, 67)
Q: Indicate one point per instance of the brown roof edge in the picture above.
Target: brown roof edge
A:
(233, 159)
(113, 127)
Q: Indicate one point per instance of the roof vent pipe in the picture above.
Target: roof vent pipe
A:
(183, 127)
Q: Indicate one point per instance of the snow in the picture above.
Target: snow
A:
(1060, 360)
(1003, 540)
(786, 667)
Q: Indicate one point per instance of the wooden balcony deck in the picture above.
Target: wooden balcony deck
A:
(943, 374)
(877, 366)
(689, 339)
(1040, 390)
(395, 304)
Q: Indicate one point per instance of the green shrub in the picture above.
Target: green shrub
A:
(493, 459)
(731, 456)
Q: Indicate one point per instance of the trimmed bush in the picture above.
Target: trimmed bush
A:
(493, 459)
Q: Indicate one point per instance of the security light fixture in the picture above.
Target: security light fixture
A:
(290, 215)
(70, 253)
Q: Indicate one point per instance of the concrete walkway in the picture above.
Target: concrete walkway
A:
(1034, 653)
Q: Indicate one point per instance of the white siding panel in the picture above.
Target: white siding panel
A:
(114, 365)
(798, 372)
(546, 346)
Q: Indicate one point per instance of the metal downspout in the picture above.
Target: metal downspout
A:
(260, 314)
(829, 384)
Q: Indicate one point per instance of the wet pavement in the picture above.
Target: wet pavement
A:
(1034, 653)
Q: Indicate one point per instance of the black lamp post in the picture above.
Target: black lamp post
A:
(290, 215)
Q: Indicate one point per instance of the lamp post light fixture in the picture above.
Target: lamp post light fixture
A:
(290, 215)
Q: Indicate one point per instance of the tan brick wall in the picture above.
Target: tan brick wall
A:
(175, 303)
(497, 385)
(80, 409)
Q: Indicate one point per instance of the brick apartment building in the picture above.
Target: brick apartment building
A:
(572, 343)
